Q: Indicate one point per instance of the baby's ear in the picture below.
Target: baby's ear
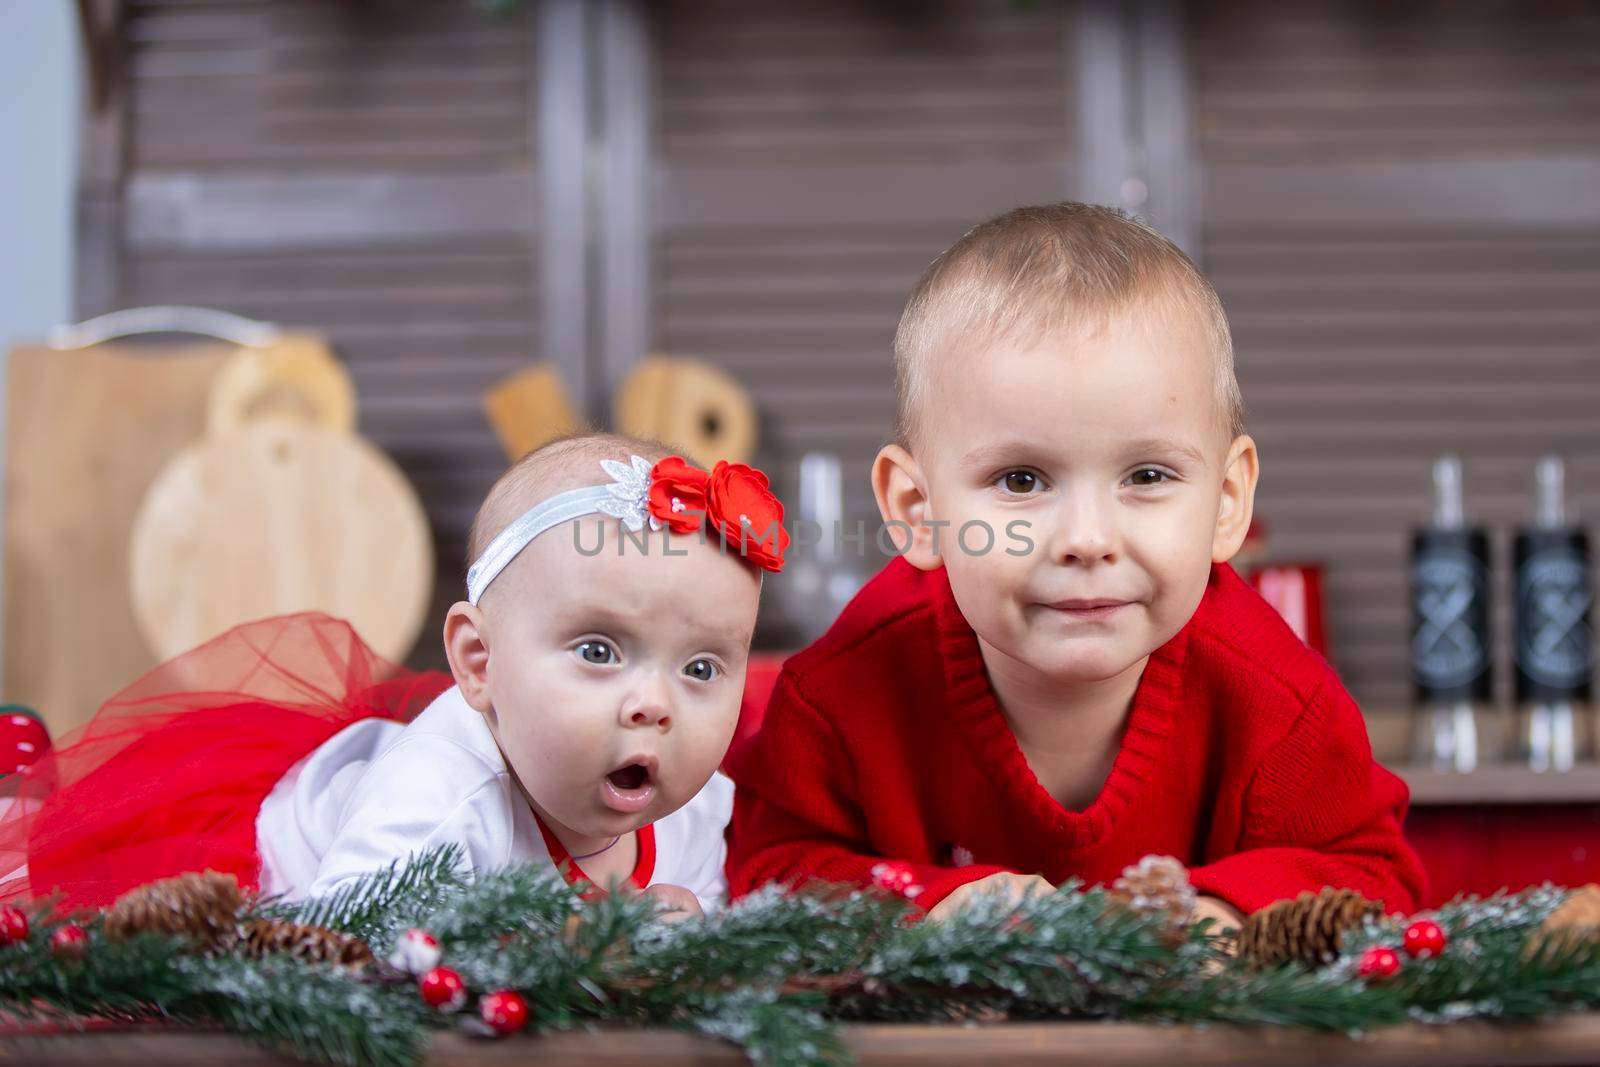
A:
(1238, 502)
(466, 646)
(901, 489)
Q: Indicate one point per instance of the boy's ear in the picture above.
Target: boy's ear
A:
(466, 646)
(1238, 503)
(901, 489)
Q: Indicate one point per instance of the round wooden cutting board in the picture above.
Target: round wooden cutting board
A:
(278, 517)
(690, 405)
(297, 377)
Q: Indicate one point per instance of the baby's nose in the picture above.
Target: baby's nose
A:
(649, 704)
(650, 715)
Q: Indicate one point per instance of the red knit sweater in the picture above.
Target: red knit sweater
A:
(1242, 756)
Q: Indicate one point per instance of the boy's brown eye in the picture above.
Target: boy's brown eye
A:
(1148, 476)
(1021, 482)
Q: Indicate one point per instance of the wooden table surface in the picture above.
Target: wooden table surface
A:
(1567, 1040)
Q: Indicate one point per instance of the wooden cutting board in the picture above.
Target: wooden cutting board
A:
(86, 432)
(296, 377)
(280, 516)
(690, 405)
(528, 409)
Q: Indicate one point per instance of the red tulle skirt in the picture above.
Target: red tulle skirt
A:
(170, 773)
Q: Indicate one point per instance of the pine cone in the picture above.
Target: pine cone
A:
(1308, 929)
(312, 944)
(958, 1011)
(1157, 885)
(203, 908)
(1575, 922)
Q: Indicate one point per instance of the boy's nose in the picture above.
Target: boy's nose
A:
(1088, 532)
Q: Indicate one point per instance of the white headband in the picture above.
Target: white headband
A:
(625, 497)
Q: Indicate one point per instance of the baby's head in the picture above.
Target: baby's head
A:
(610, 679)
(1069, 370)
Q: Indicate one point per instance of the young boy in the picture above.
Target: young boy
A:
(1060, 674)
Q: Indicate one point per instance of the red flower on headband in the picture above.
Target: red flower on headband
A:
(678, 495)
(748, 515)
(735, 499)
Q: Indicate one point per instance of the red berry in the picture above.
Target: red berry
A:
(1424, 938)
(71, 941)
(506, 1012)
(23, 738)
(897, 878)
(1378, 963)
(443, 988)
(13, 925)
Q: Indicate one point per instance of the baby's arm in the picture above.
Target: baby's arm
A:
(421, 793)
(1319, 811)
(796, 818)
(703, 823)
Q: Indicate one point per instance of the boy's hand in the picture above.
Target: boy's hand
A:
(1229, 920)
(1017, 886)
(675, 902)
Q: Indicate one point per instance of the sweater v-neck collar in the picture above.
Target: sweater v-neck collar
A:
(975, 706)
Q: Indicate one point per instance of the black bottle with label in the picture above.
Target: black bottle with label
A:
(1554, 645)
(1450, 650)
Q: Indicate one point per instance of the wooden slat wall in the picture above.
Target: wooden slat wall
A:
(1381, 325)
(1322, 81)
(814, 160)
(328, 84)
(1401, 208)
(768, 83)
(362, 169)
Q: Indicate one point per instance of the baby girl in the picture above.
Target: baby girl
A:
(598, 663)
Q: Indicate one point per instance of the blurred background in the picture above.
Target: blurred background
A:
(701, 217)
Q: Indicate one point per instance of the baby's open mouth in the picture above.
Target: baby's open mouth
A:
(631, 787)
(633, 776)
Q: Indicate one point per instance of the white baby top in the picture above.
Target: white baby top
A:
(378, 791)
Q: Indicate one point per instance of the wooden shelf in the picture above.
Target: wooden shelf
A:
(1566, 1041)
(1502, 785)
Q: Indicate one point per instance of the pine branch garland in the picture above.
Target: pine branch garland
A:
(1286, 996)
(774, 1031)
(773, 973)
(314, 1012)
(378, 907)
(124, 979)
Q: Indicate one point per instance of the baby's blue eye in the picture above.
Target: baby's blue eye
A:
(1021, 483)
(597, 652)
(1148, 476)
(701, 670)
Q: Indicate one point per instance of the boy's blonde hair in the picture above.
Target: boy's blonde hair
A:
(1040, 270)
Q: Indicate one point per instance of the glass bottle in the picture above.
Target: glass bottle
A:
(1450, 662)
(821, 580)
(1554, 649)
